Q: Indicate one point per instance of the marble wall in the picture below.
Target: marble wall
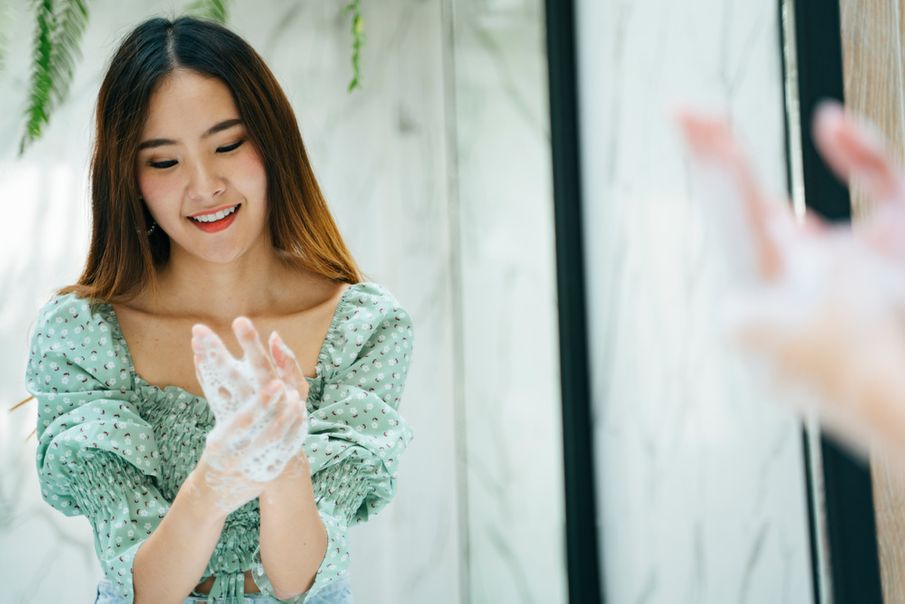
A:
(511, 419)
(380, 154)
(437, 173)
(699, 467)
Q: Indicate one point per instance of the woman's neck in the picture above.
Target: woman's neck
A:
(255, 284)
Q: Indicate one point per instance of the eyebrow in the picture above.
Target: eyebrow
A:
(218, 127)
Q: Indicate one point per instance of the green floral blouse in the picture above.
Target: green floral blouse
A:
(116, 449)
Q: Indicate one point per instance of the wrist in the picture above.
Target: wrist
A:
(201, 496)
(297, 472)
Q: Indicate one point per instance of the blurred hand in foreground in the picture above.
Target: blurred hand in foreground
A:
(827, 309)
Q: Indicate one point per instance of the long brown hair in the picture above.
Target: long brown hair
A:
(122, 258)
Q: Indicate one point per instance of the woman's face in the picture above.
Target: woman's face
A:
(195, 161)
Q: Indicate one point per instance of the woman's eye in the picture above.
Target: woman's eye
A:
(232, 147)
(170, 163)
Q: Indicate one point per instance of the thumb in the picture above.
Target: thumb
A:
(287, 365)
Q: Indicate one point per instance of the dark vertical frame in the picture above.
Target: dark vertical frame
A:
(854, 565)
(582, 530)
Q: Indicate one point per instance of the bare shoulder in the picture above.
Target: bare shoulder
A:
(304, 324)
(138, 318)
(159, 344)
(309, 294)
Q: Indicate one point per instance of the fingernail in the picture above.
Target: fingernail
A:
(284, 348)
(275, 348)
(242, 325)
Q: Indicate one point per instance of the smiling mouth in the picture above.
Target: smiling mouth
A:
(217, 221)
(215, 216)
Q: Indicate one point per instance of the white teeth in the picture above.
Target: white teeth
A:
(217, 216)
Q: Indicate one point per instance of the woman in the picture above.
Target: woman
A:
(208, 477)
(828, 309)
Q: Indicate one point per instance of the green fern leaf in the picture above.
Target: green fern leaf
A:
(354, 7)
(71, 22)
(58, 32)
(39, 92)
(215, 10)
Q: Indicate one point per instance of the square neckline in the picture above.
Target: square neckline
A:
(116, 329)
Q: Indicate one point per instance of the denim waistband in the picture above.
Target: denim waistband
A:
(337, 592)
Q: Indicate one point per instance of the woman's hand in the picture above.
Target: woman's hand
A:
(243, 451)
(286, 365)
(829, 303)
(261, 420)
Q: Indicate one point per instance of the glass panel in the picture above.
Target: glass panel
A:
(700, 471)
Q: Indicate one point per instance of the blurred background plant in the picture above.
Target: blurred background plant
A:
(59, 25)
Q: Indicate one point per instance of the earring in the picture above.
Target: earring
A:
(153, 226)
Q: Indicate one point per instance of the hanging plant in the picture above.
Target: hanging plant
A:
(354, 7)
(58, 32)
(215, 10)
(59, 25)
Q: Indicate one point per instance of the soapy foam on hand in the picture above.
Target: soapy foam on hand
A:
(832, 293)
(257, 449)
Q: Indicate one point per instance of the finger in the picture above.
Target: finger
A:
(294, 427)
(884, 231)
(294, 434)
(290, 422)
(255, 355)
(271, 440)
(208, 345)
(261, 406)
(214, 366)
(855, 150)
(295, 405)
(270, 399)
(241, 422)
(297, 426)
(287, 364)
(284, 439)
(224, 387)
(813, 224)
(711, 141)
(271, 431)
(257, 417)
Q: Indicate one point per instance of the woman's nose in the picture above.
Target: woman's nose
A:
(205, 183)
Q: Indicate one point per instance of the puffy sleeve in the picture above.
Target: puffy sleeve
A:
(95, 456)
(355, 432)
